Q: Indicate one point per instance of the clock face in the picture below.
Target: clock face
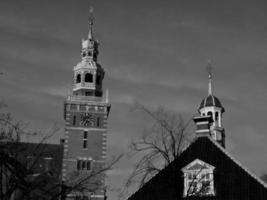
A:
(87, 119)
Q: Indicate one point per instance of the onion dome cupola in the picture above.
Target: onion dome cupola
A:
(88, 73)
(211, 106)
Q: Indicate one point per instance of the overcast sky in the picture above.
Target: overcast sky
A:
(154, 52)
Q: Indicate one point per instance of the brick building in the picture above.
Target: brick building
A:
(80, 157)
(85, 112)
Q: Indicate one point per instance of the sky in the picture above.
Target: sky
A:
(154, 52)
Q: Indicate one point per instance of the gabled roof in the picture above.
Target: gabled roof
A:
(238, 163)
(231, 179)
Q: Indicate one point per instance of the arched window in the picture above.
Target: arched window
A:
(78, 78)
(209, 113)
(88, 78)
(216, 116)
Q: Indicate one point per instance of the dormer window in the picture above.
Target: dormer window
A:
(198, 179)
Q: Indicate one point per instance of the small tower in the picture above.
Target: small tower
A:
(88, 74)
(86, 112)
(211, 106)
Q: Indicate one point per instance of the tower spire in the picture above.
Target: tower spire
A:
(209, 69)
(212, 107)
(91, 22)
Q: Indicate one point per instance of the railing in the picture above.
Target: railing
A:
(87, 98)
(87, 85)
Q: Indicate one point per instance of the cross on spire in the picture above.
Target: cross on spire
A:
(209, 69)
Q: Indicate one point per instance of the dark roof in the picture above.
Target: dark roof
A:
(36, 155)
(32, 165)
(231, 179)
(211, 100)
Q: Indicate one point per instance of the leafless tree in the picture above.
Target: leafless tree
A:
(198, 186)
(20, 177)
(159, 145)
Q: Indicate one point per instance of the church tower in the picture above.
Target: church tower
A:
(86, 112)
(211, 106)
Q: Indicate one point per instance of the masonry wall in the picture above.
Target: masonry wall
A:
(96, 144)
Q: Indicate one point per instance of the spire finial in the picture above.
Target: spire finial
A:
(209, 69)
(91, 22)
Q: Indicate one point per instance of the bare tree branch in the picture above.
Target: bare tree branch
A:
(158, 146)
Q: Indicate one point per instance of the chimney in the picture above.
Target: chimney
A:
(203, 125)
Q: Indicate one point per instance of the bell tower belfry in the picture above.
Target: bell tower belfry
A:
(211, 106)
(88, 74)
(86, 112)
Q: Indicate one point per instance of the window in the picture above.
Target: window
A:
(88, 165)
(98, 121)
(198, 179)
(216, 116)
(74, 120)
(47, 163)
(209, 113)
(30, 161)
(88, 78)
(79, 164)
(85, 144)
(78, 78)
(85, 137)
(84, 164)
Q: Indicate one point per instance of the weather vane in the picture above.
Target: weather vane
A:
(91, 17)
(209, 68)
(91, 21)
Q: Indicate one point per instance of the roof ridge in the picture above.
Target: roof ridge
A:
(238, 163)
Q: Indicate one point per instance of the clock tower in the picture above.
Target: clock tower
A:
(85, 112)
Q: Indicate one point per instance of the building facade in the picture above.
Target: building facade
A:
(86, 112)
